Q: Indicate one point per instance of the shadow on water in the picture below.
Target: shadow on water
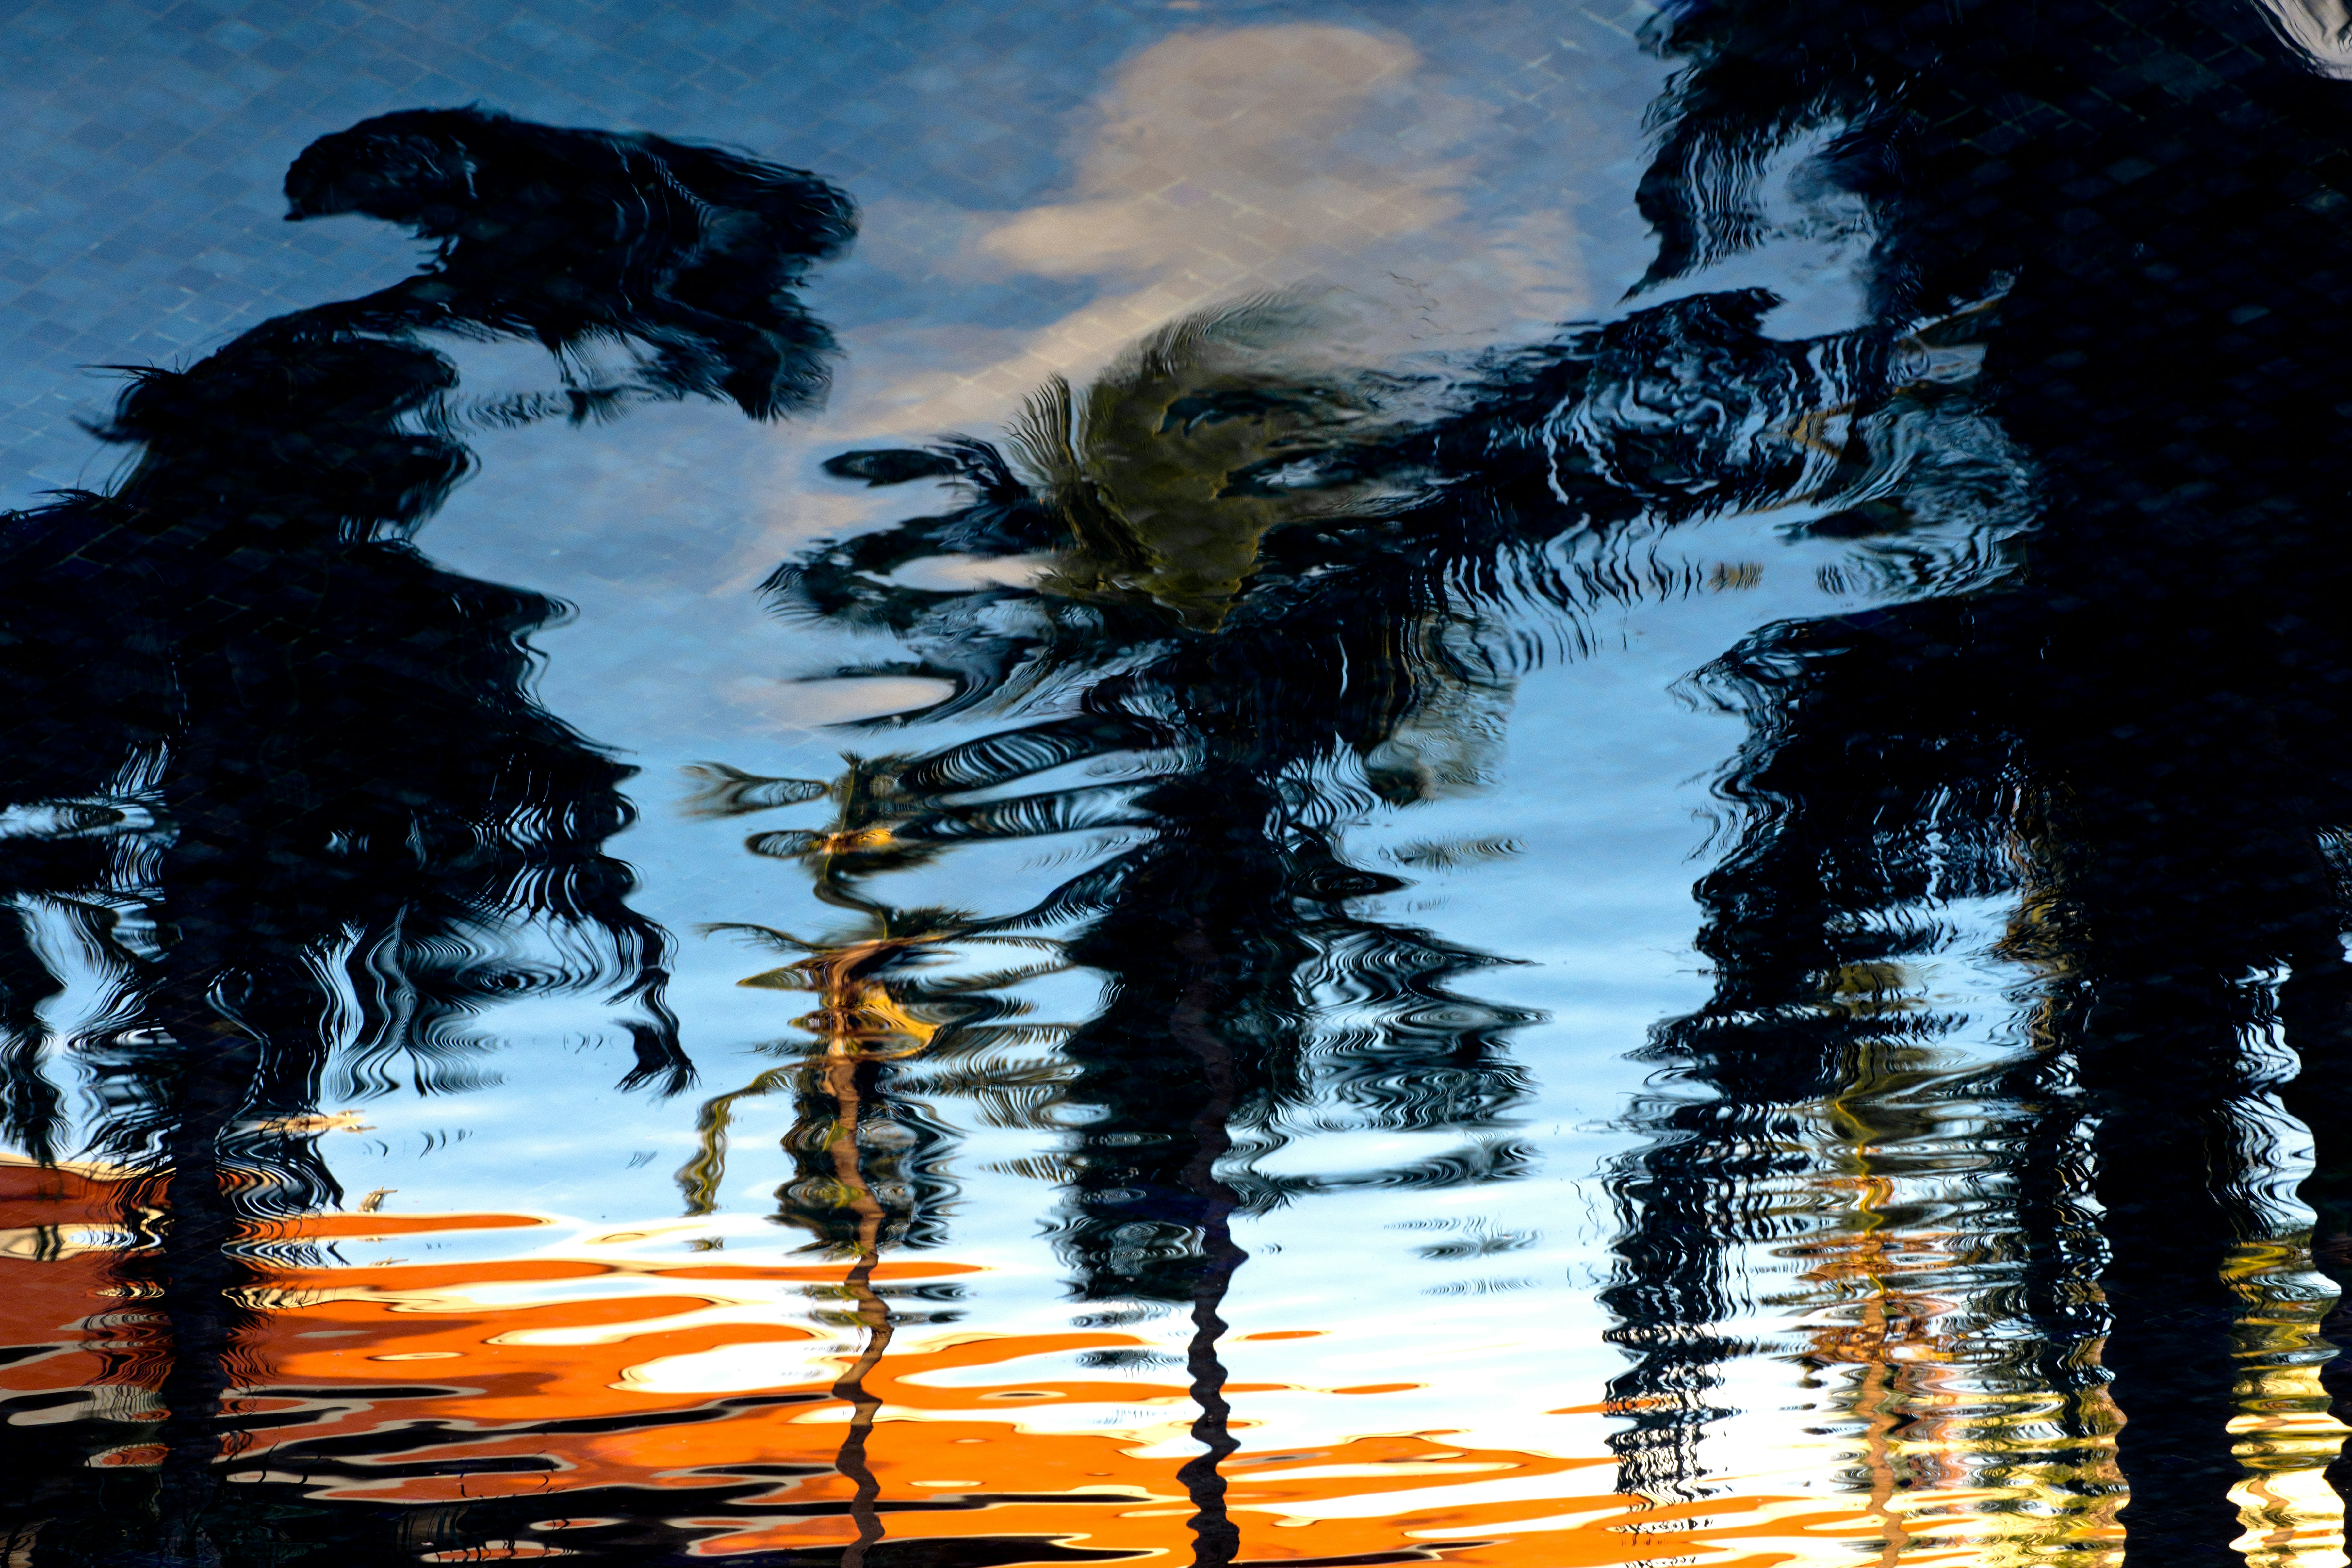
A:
(2134, 743)
(1247, 603)
(2087, 447)
(289, 792)
(279, 781)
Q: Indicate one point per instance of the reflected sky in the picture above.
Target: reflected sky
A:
(1239, 784)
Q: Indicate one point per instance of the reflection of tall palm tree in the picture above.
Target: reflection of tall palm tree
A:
(864, 1155)
(281, 779)
(1262, 611)
(1838, 894)
(1262, 602)
(879, 1002)
(292, 845)
(2137, 737)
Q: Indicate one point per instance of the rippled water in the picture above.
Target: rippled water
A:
(1232, 783)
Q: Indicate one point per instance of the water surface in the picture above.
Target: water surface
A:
(1256, 784)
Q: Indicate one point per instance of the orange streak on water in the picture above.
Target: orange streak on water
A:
(475, 1364)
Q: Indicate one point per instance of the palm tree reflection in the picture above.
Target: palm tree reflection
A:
(2134, 744)
(2046, 1272)
(1269, 598)
(277, 785)
(1263, 598)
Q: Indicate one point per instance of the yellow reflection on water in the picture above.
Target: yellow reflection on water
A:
(2286, 1436)
(1955, 1439)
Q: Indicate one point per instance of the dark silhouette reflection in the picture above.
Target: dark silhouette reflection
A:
(2081, 449)
(2081, 455)
(2136, 743)
(1261, 604)
(577, 237)
(279, 779)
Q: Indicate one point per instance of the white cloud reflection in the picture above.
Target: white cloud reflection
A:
(1218, 163)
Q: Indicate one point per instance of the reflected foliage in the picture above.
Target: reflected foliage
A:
(2080, 454)
(2033, 1242)
(280, 804)
(2134, 742)
(687, 253)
